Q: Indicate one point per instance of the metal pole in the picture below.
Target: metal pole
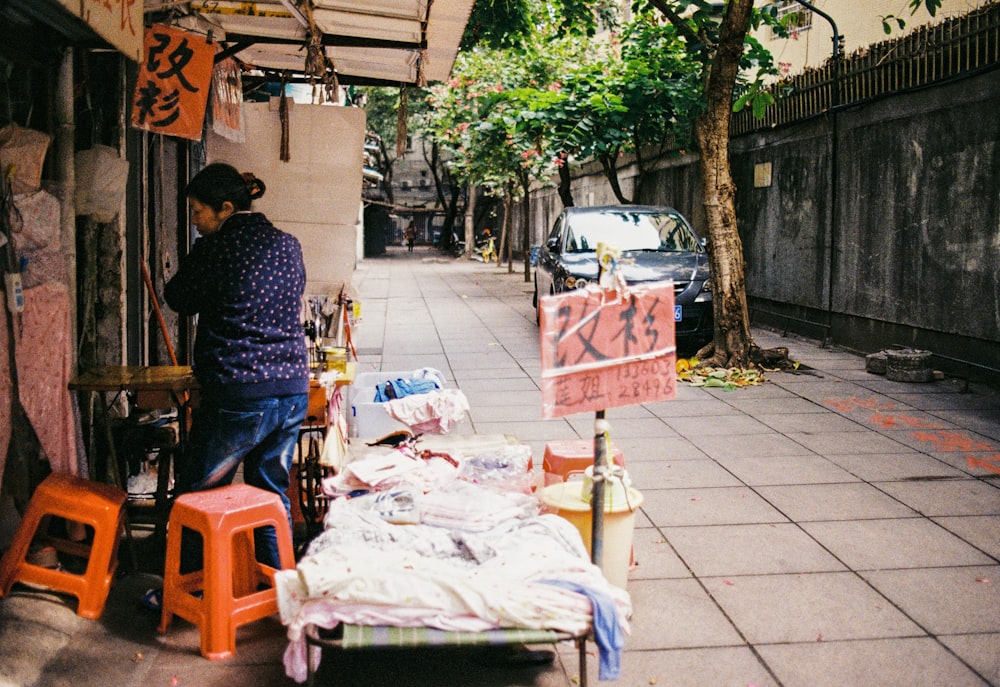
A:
(66, 174)
(600, 465)
(597, 492)
(833, 25)
(834, 163)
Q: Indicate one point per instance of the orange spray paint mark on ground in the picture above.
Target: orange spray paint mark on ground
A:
(846, 405)
(942, 440)
(894, 421)
(991, 463)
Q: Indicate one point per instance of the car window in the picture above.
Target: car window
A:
(656, 231)
(556, 232)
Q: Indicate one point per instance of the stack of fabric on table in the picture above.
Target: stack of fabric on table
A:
(456, 541)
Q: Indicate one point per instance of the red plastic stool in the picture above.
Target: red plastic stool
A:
(99, 506)
(226, 592)
(566, 456)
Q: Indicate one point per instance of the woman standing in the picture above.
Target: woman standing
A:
(244, 279)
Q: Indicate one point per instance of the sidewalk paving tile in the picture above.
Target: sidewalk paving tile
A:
(678, 474)
(950, 600)
(657, 448)
(908, 662)
(708, 506)
(725, 424)
(724, 446)
(978, 530)
(765, 549)
(809, 423)
(894, 543)
(796, 469)
(695, 668)
(904, 465)
(675, 613)
(947, 497)
(836, 443)
(814, 607)
(846, 501)
(980, 651)
(655, 557)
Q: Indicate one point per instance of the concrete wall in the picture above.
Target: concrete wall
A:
(879, 226)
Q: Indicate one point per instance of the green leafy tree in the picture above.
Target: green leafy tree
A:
(720, 44)
(641, 98)
(597, 110)
(381, 106)
(488, 125)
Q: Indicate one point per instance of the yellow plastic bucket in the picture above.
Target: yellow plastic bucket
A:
(571, 501)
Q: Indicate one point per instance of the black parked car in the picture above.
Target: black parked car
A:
(657, 243)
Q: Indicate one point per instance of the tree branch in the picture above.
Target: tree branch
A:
(678, 21)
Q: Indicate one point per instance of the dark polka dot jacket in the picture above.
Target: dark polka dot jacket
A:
(245, 283)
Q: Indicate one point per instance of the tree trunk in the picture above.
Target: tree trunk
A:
(504, 235)
(565, 180)
(508, 229)
(732, 341)
(526, 226)
(610, 167)
(448, 233)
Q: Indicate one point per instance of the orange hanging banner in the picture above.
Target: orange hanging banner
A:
(604, 350)
(174, 83)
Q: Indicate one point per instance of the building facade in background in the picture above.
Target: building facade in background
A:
(859, 25)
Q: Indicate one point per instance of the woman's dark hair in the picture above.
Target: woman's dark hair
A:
(219, 182)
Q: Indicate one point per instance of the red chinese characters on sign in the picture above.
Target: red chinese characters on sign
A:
(174, 82)
(113, 20)
(600, 351)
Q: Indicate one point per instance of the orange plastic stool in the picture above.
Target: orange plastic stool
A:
(230, 581)
(566, 456)
(62, 495)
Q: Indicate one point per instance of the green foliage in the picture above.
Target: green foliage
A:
(381, 107)
(513, 114)
(932, 6)
(497, 24)
(504, 24)
(887, 22)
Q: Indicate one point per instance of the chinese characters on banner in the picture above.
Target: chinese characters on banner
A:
(174, 83)
(113, 20)
(600, 351)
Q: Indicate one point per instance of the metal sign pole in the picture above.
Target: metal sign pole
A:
(597, 493)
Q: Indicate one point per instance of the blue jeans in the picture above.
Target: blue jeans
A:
(259, 433)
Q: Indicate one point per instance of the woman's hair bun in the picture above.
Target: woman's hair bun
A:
(255, 186)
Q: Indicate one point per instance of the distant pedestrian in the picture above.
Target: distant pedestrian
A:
(410, 235)
(489, 248)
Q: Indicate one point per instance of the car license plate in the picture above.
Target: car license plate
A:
(678, 313)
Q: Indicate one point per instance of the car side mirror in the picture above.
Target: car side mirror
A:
(552, 244)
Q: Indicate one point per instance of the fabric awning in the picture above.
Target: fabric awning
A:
(367, 42)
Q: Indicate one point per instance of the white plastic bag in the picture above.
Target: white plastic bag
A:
(101, 176)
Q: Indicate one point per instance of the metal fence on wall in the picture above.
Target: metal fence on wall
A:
(930, 54)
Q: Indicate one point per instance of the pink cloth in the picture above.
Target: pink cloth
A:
(434, 412)
(44, 364)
